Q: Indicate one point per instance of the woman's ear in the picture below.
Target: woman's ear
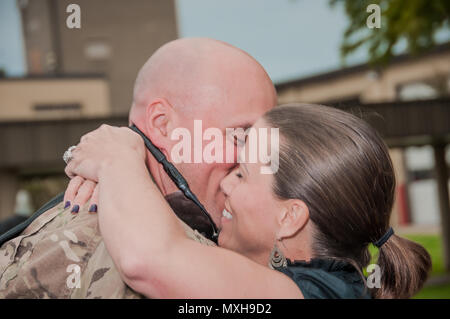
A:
(157, 118)
(293, 218)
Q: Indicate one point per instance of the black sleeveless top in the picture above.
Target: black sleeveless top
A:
(326, 279)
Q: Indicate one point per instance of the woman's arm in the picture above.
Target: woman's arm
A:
(148, 244)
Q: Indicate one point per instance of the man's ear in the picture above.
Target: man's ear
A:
(293, 217)
(157, 118)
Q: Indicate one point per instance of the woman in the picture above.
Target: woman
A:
(302, 232)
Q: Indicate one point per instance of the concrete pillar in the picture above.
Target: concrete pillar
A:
(9, 185)
(401, 214)
(444, 203)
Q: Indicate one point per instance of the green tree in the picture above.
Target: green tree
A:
(415, 21)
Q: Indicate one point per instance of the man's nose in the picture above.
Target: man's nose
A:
(231, 151)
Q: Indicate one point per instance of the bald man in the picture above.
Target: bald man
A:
(61, 254)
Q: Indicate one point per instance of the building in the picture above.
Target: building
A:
(80, 78)
(411, 97)
(77, 79)
(114, 41)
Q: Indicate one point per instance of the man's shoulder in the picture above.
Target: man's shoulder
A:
(62, 255)
(17, 229)
(195, 235)
(53, 257)
(57, 218)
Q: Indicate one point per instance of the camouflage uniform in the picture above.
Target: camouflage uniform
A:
(62, 255)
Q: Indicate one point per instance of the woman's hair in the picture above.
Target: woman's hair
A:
(340, 167)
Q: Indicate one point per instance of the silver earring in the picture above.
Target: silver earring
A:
(277, 258)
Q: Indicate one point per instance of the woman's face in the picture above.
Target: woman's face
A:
(249, 221)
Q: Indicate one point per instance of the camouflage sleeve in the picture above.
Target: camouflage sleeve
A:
(104, 279)
(19, 276)
(196, 236)
(52, 258)
(62, 255)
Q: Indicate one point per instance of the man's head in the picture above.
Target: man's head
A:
(199, 79)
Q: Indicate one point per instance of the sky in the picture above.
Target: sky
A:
(12, 58)
(292, 39)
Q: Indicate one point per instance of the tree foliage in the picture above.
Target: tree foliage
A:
(413, 21)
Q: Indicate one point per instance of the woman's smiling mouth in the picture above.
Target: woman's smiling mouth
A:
(227, 214)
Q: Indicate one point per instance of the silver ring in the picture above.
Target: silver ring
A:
(67, 157)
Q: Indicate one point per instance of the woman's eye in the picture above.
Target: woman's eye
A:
(239, 175)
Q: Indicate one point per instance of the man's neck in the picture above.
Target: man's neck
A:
(183, 207)
(159, 176)
(157, 173)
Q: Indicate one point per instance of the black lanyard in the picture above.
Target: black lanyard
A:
(177, 178)
(173, 173)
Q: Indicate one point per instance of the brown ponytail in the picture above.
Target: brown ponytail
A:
(404, 267)
(340, 167)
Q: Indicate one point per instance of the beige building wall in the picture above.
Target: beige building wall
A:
(369, 86)
(116, 38)
(43, 99)
(425, 69)
(333, 89)
(76, 75)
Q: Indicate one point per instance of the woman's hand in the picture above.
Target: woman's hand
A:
(102, 147)
(79, 192)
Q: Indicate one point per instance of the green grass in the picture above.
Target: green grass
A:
(434, 292)
(432, 244)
